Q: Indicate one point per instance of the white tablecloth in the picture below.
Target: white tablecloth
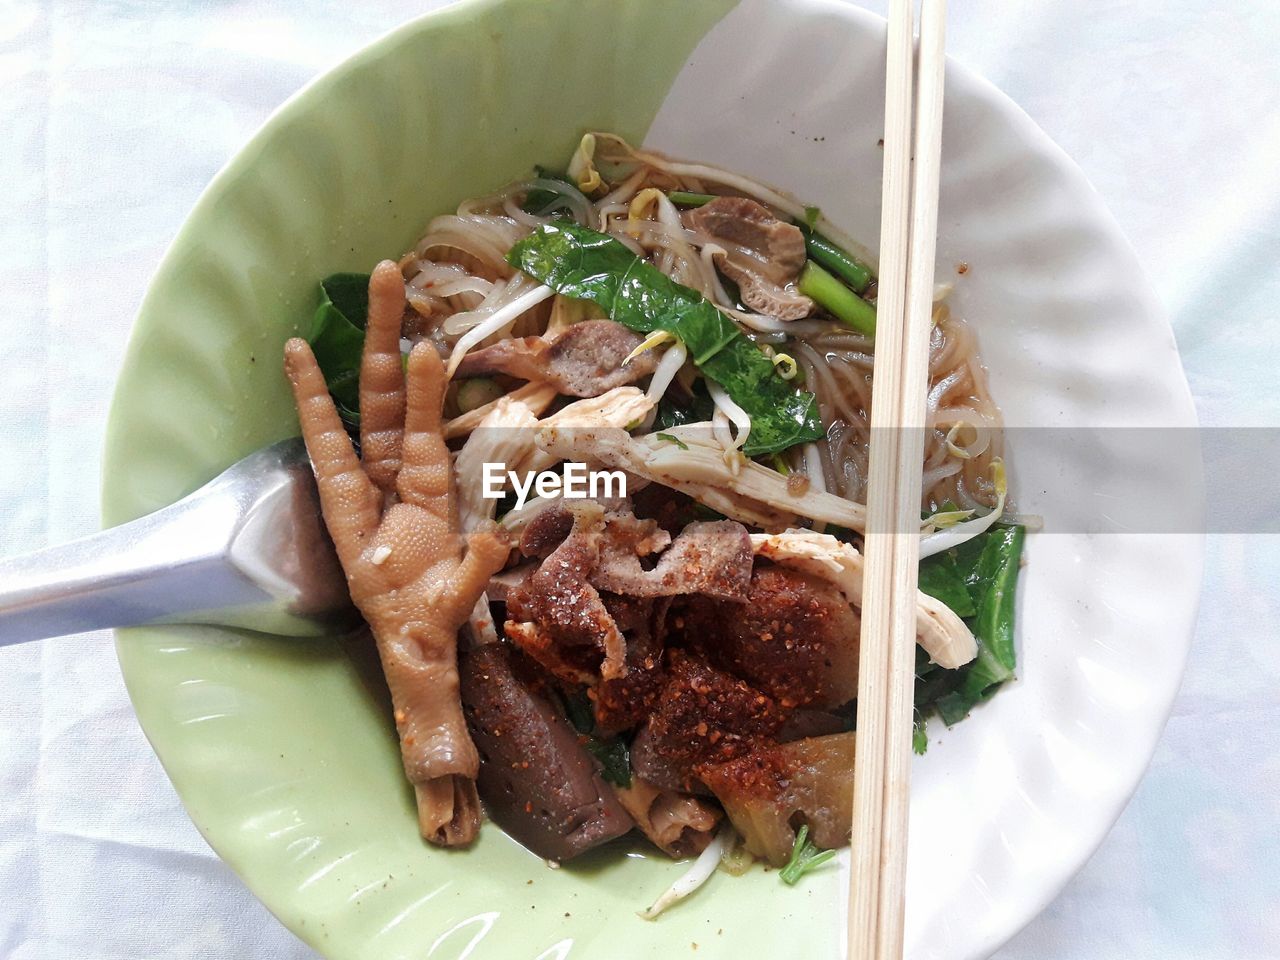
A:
(115, 116)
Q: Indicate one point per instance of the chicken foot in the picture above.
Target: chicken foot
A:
(391, 518)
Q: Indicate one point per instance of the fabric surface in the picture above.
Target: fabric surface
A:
(116, 115)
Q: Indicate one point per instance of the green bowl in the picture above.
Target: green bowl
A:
(282, 751)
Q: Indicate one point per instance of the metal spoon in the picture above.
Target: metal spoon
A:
(248, 550)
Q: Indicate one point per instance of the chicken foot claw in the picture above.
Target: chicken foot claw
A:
(403, 556)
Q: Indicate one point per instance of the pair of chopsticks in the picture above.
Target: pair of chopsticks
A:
(908, 233)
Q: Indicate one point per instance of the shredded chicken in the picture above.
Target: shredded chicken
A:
(390, 520)
(536, 396)
(504, 436)
(619, 407)
(754, 495)
(760, 253)
(942, 634)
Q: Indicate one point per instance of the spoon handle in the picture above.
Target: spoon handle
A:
(248, 550)
(167, 564)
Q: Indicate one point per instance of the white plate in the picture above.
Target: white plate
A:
(1010, 803)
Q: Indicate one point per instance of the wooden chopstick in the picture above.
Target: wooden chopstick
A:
(931, 64)
(873, 657)
(887, 660)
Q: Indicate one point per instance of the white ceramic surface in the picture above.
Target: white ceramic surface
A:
(1009, 804)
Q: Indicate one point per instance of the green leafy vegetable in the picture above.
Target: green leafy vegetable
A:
(587, 265)
(577, 707)
(987, 569)
(940, 578)
(349, 292)
(682, 198)
(676, 440)
(845, 305)
(612, 752)
(699, 409)
(811, 215)
(804, 857)
(992, 583)
(337, 338)
(732, 290)
(614, 757)
(920, 734)
(835, 258)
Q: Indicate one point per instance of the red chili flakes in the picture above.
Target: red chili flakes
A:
(706, 715)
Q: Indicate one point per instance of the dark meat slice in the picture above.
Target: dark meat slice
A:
(648, 764)
(561, 617)
(804, 722)
(795, 637)
(774, 789)
(537, 781)
(624, 702)
(558, 597)
(778, 246)
(584, 361)
(764, 255)
(678, 824)
(568, 663)
(706, 716)
(711, 558)
(547, 529)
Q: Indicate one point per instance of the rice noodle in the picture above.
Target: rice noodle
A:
(498, 295)
(837, 367)
(458, 276)
(772, 325)
(520, 215)
(500, 320)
